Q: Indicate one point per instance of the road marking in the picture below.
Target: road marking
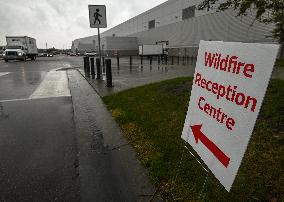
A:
(4, 73)
(24, 99)
(55, 84)
(14, 100)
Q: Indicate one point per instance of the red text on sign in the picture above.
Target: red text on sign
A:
(229, 92)
(228, 64)
(217, 114)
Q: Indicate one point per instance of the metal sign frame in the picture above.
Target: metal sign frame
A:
(103, 16)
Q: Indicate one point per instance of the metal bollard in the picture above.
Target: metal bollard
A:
(103, 59)
(150, 60)
(172, 60)
(130, 60)
(182, 60)
(117, 59)
(141, 60)
(98, 65)
(159, 60)
(108, 73)
(166, 59)
(87, 72)
(92, 60)
(85, 64)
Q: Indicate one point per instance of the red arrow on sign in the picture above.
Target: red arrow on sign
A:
(198, 135)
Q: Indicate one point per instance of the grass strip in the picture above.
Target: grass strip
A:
(152, 118)
(279, 63)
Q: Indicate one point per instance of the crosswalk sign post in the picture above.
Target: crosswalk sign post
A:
(97, 17)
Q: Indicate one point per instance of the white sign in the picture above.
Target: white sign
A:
(97, 16)
(229, 84)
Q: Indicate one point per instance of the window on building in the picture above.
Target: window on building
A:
(151, 24)
(188, 12)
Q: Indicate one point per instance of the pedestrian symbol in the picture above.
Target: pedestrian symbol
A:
(97, 15)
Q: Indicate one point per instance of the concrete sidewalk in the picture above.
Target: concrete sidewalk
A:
(108, 166)
(126, 76)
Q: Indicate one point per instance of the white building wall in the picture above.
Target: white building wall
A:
(206, 25)
(164, 14)
(86, 40)
(220, 26)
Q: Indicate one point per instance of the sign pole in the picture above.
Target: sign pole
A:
(97, 17)
(99, 39)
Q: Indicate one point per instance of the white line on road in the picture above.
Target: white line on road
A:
(14, 100)
(4, 73)
(23, 99)
(55, 84)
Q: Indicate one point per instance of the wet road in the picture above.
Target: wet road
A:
(38, 150)
(58, 142)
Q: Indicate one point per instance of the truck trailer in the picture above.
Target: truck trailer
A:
(20, 48)
(151, 49)
(112, 46)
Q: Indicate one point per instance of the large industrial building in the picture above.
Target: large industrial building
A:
(180, 26)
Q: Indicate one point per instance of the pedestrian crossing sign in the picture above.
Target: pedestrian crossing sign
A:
(97, 16)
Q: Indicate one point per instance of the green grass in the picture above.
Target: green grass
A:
(279, 63)
(152, 118)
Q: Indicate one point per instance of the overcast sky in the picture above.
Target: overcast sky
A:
(58, 22)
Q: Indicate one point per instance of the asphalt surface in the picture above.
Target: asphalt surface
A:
(58, 142)
(38, 147)
(38, 151)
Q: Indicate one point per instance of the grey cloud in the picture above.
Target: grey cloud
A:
(82, 21)
(57, 6)
(58, 22)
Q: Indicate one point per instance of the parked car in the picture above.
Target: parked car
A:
(72, 54)
(45, 55)
(90, 54)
